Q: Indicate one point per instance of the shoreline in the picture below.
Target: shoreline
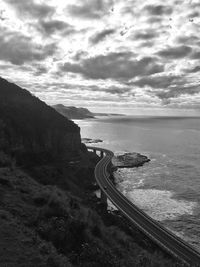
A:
(138, 218)
(160, 205)
(159, 200)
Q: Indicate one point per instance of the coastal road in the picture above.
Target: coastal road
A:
(155, 231)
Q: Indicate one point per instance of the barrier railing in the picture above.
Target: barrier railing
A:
(154, 230)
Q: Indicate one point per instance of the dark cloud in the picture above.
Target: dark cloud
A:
(48, 27)
(154, 20)
(163, 81)
(72, 67)
(167, 95)
(30, 9)
(147, 44)
(167, 87)
(158, 10)
(195, 55)
(114, 90)
(192, 70)
(128, 9)
(194, 14)
(40, 70)
(148, 35)
(190, 39)
(117, 91)
(195, 5)
(80, 55)
(63, 87)
(117, 66)
(100, 36)
(90, 9)
(175, 52)
(18, 49)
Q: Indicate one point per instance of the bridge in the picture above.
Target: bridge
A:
(151, 228)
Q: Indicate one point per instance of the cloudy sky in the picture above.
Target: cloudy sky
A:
(127, 56)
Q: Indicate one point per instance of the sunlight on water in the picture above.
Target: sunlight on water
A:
(168, 187)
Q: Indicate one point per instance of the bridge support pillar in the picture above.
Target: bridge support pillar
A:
(101, 155)
(104, 198)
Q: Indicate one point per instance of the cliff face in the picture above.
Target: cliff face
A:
(73, 112)
(30, 127)
(41, 224)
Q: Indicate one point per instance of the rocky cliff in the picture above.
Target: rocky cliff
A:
(49, 214)
(73, 112)
(30, 127)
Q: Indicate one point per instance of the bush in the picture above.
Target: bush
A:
(5, 160)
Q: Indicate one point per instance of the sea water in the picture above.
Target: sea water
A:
(168, 187)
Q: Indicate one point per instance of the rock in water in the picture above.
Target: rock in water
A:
(130, 160)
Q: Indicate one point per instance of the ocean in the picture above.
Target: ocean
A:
(168, 187)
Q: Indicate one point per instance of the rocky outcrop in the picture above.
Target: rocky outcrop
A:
(129, 160)
(30, 127)
(73, 112)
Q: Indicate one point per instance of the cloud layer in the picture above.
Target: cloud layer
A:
(118, 66)
(94, 52)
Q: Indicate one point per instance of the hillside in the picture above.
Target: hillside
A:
(28, 127)
(49, 214)
(73, 112)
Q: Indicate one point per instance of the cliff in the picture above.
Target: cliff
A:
(30, 127)
(73, 112)
(49, 214)
(44, 226)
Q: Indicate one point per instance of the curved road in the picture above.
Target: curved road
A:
(164, 238)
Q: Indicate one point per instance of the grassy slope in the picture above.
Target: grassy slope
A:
(42, 225)
(48, 213)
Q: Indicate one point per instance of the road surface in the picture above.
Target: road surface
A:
(163, 237)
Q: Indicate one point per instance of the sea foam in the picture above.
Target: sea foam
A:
(160, 204)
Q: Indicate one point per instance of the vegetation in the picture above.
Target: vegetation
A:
(60, 230)
(73, 112)
(49, 214)
(29, 129)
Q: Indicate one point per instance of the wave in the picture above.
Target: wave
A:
(159, 204)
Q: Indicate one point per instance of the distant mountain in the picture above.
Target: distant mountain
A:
(108, 114)
(30, 127)
(49, 215)
(79, 113)
(73, 112)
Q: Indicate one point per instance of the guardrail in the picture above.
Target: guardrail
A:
(154, 230)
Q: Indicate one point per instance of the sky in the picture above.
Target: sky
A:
(124, 56)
